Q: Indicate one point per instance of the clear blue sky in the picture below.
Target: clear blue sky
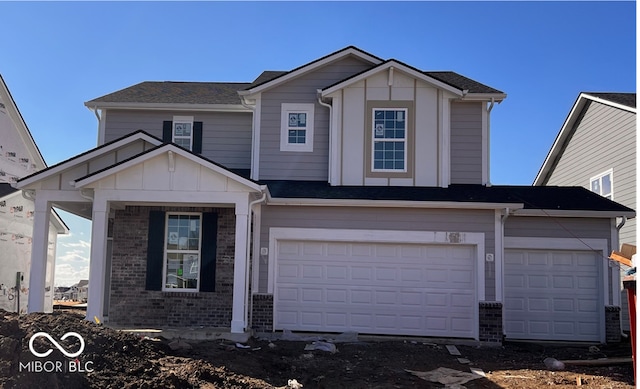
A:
(56, 56)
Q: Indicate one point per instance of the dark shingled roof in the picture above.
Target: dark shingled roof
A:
(266, 76)
(628, 99)
(461, 82)
(6, 189)
(533, 197)
(169, 92)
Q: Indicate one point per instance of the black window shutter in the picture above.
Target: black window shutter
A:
(208, 252)
(155, 250)
(197, 137)
(167, 131)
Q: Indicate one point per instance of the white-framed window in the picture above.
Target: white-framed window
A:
(389, 140)
(296, 127)
(182, 252)
(182, 131)
(602, 184)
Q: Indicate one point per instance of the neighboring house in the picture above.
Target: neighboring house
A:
(349, 194)
(596, 149)
(79, 291)
(19, 156)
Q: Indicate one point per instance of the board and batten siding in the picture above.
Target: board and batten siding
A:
(291, 165)
(396, 219)
(226, 136)
(466, 143)
(605, 138)
(354, 134)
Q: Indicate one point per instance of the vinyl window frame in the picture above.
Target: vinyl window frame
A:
(297, 108)
(409, 107)
(167, 251)
(599, 180)
(174, 137)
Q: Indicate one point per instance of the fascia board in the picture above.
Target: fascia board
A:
(558, 143)
(310, 67)
(497, 97)
(61, 226)
(171, 106)
(390, 203)
(93, 177)
(23, 130)
(572, 213)
(62, 166)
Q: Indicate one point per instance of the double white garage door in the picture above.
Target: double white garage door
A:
(376, 288)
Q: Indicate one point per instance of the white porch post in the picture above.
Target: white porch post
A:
(95, 298)
(40, 245)
(240, 269)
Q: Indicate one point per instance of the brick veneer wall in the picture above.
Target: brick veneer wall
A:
(131, 305)
(612, 324)
(490, 322)
(262, 313)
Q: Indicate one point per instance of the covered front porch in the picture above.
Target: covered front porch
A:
(136, 191)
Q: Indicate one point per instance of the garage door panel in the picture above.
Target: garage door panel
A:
(552, 295)
(408, 289)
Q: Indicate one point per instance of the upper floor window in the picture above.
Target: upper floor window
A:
(296, 127)
(389, 140)
(602, 184)
(182, 252)
(183, 131)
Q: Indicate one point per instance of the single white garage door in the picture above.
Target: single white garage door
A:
(405, 289)
(553, 295)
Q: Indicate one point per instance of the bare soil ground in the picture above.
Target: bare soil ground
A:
(113, 359)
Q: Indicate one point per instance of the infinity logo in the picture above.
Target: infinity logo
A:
(62, 350)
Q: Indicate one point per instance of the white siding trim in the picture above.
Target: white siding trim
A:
(379, 236)
(445, 140)
(335, 149)
(102, 124)
(615, 267)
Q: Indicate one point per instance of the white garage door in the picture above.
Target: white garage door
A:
(406, 289)
(553, 295)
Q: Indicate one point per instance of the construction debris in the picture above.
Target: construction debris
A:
(453, 350)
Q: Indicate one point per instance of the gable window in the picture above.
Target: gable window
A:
(602, 184)
(389, 134)
(296, 127)
(182, 252)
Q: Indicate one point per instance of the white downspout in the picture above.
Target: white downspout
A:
(248, 313)
(331, 157)
(489, 108)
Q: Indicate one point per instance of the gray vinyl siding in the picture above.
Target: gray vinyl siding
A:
(381, 219)
(466, 143)
(226, 136)
(276, 164)
(558, 227)
(604, 139)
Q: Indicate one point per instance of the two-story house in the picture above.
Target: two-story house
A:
(351, 193)
(19, 156)
(596, 148)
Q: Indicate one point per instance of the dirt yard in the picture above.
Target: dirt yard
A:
(112, 359)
